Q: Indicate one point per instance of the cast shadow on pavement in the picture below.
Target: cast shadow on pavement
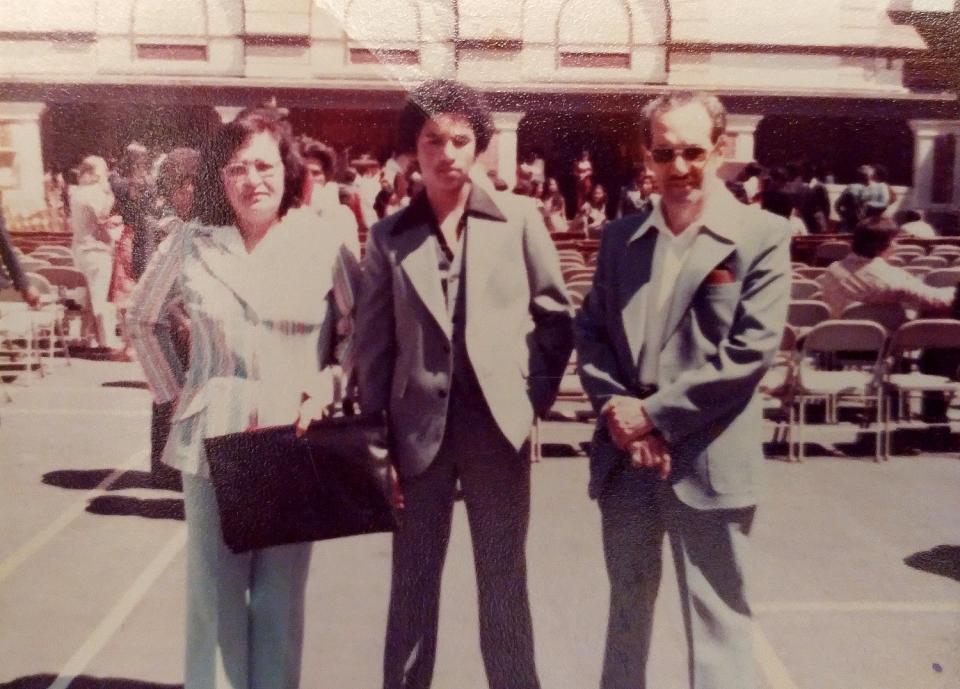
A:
(85, 682)
(943, 560)
(861, 449)
(130, 384)
(559, 451)
(117, 505)
(88, 479)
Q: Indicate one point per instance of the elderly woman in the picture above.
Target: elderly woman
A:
(254, 276)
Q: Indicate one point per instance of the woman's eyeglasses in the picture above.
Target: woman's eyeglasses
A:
(691, 154)
(238, 171)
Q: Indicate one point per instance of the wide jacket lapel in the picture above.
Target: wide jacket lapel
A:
(633, 288)
(483, 252)
(709, 249)
(418, 257)
(221, 251)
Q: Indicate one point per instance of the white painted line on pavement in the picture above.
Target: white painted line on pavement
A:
(118, 614)
(857, 606)
(770, 664)
(24, 552)
(73, 411)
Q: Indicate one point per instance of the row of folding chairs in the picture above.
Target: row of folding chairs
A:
(577, 273)
(859, 362)
(31, 339)
(803, 314)
(827, 252)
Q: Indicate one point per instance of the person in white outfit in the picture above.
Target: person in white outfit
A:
(94, 226)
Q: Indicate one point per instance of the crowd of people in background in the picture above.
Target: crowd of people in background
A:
(120, 210)
(797, 191)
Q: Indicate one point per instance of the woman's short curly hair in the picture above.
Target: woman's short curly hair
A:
(438, 97)
(213, 208)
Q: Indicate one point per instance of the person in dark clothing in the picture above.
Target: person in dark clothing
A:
(813, 203)
(136, 202)
(11, 266)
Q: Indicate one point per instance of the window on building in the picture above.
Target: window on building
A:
(594, 33)
(374, 35)
(162, 34)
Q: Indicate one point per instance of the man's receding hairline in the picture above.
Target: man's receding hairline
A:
(667, 103)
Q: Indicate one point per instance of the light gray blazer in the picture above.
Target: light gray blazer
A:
(518, 322)
(719, 339)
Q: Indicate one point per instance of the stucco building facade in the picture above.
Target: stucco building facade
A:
(839, 81)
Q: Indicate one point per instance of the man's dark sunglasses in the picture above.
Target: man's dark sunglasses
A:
(691, 154)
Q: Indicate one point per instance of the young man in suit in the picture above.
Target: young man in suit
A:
(686, 312)
(462, 333)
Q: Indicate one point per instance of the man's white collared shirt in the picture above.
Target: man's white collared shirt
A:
(669, 255)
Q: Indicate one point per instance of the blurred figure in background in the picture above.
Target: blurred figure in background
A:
(322, 193)
(865, 276)
(914, 223)
(136, 203)
(176, 180)
(639, 195)
(583, 177)
(593, 213)
(94, 226)
(553, 205)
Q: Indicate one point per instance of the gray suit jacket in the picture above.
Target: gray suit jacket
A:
(718, 341)
(519, 331)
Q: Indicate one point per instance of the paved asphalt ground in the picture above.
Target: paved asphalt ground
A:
(92, 565)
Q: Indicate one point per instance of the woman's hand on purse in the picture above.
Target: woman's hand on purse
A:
(311, 409)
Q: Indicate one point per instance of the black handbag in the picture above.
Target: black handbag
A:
(273, 488)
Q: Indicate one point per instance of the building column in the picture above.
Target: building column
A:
(504, 155)
(741, 137)
(925, 133)
(228, 113)
(955, 193)
(21, 157)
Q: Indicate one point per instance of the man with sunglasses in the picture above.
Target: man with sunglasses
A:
(685, 315)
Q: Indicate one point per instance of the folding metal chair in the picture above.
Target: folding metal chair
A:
(803, 289)
(905, 344)
(944, 277)
(821, 375)
(917, 271)
(828, 252)
(803, 314)
(929, 262)
(890, 316)
(17, 334)
(807, 273)
(951, 252)
(579, 289)
(777, 383)
(905, 250)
